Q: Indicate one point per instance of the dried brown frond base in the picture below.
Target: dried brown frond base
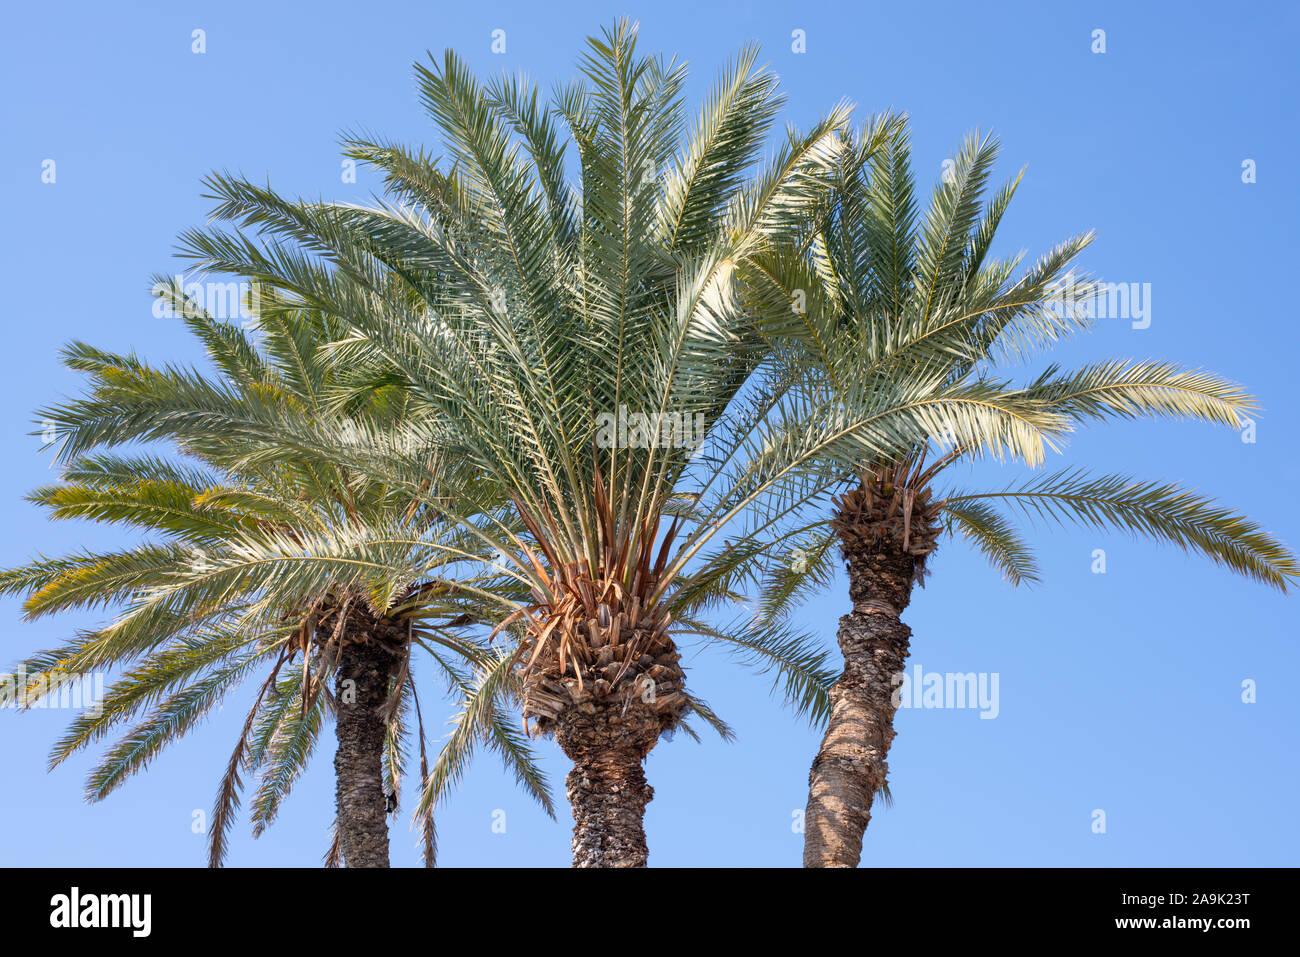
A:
(601, 674)
(887, 530)
(618, 677)
(607, 715)
(334, 622)
(606, 687)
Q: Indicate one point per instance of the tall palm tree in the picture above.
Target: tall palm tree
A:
(882, 294)
(550, 331)
(272, 557)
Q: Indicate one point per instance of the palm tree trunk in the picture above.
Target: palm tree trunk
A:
(850, 766)
(885, 547)
(607, 788)
(361, 689)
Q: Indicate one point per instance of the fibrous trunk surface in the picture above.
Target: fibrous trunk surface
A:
(886, 532)
(606, 681)
(370, 651)
(607, 788)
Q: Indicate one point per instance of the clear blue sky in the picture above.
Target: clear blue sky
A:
(1119, 692)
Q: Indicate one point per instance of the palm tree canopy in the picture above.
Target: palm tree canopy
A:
(254, 543)
(876, 291)
(526, 317)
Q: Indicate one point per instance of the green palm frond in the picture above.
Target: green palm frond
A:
(172, 717)
(809, 566)
(481, 721)
(1161, 511)
(800, 670)
(995, 537)
(900, 317)
(287, 755)
(1131, 389)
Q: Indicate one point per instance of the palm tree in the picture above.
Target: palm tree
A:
(551, 331)
(270, 552)
(890, 296)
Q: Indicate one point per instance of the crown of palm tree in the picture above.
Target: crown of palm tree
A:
(538, 388)
(258, 546)
(522, 315)
(875, 292)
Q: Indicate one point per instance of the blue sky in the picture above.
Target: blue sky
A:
(1119, 691)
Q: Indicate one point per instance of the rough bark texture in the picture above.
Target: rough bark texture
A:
(886, 534)
(850, 766)
(607, 789)
(361, 689)
(629, 694)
